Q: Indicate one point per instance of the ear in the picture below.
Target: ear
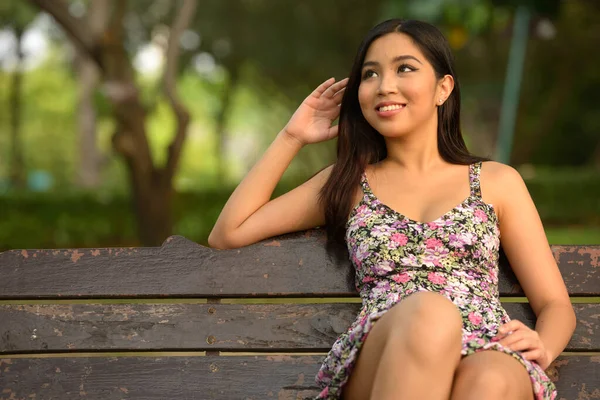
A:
(444, 89)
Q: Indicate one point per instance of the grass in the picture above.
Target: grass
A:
(574, 235)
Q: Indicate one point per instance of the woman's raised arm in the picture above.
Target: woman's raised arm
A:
(249, 215)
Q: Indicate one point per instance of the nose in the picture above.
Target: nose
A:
(387, 84)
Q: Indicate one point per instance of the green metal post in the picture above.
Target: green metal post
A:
(512, 84)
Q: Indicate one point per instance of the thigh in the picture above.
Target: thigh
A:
(491, 374)
(398, 317)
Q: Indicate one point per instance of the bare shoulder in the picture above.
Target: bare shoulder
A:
(502, 185)
(320, 177)
(499, 172)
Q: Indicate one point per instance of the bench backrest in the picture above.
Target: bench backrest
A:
(186, 321)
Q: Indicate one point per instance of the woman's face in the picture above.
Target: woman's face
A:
(399, 91)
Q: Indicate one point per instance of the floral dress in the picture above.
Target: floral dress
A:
(455, 255)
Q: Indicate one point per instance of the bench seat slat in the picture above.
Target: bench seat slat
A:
(291, 265)
(247, 377)
(209, 327)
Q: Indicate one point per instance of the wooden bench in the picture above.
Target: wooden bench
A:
(183, 321)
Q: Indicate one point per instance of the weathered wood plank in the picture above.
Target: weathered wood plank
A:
(291, 265)
(209, 327)
(289, 377)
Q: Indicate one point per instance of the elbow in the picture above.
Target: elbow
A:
(219, 241)
(216, 242)
(573, 319)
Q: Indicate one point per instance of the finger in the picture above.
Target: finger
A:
(511, 326)
(532, 354)
(512, 338)
(323, 87)
(522, 345)
(339, 96)
(332, 90)
(341, 84)
(500, 336)
(333, 132)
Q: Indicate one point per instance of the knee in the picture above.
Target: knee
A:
(431, 325)
(481, 383)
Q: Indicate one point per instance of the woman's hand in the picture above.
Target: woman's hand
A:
(311, 123)
(518, 337)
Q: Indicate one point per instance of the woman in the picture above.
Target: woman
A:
(431, 325)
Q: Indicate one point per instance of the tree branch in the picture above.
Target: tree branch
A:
(180, 23)
(98, 17)
(75, 27)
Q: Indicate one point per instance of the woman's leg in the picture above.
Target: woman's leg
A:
(411, 352)
(491, 375)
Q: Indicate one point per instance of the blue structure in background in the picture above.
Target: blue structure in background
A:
(40, 181)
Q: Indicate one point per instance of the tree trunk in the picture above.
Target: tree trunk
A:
(90, 160)
(17, 165)
(221, 121)
(152, 204)
(151, 186)
(89, 156)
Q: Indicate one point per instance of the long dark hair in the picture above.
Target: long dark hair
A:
(359, 144)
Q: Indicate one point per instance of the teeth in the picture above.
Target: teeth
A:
(390, 108)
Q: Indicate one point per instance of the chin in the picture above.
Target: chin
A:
(392, 131)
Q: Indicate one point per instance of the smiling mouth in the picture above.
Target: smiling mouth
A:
(391, 107)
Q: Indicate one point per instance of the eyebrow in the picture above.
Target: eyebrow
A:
(396, 59)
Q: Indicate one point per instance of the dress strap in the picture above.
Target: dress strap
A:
(474, 170)
(365, 187)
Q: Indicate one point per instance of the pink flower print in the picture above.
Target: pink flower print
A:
(353, 226)
(401, 278)
(475, 318)
(436, 279)
(380, 230)
(400, 238)
(381, 268)
(432, 225)
(489, 241)
(468, 237)
(455, 241)
(448, 222)
(432, 257)
(410, 261)
(362, 252)
(433, 243)
(479, 214)
(471, 336)
(418, 228)
(361, 210)
(367, 279)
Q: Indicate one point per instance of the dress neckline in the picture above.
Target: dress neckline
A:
(473, 178)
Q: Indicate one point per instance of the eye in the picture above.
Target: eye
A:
(406, 68)
(368, 74)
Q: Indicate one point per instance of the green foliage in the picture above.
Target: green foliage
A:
(566, 196)
(16, 14)
(549, 8)
(566, 200)
(48, 121)
(279, 50)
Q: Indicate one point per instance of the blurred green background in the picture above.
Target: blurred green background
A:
(93, 94)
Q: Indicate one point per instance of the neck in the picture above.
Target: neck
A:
(416, 151)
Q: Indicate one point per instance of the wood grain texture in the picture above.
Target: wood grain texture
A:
(290, 265)
(209, 327)
(221, 378)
